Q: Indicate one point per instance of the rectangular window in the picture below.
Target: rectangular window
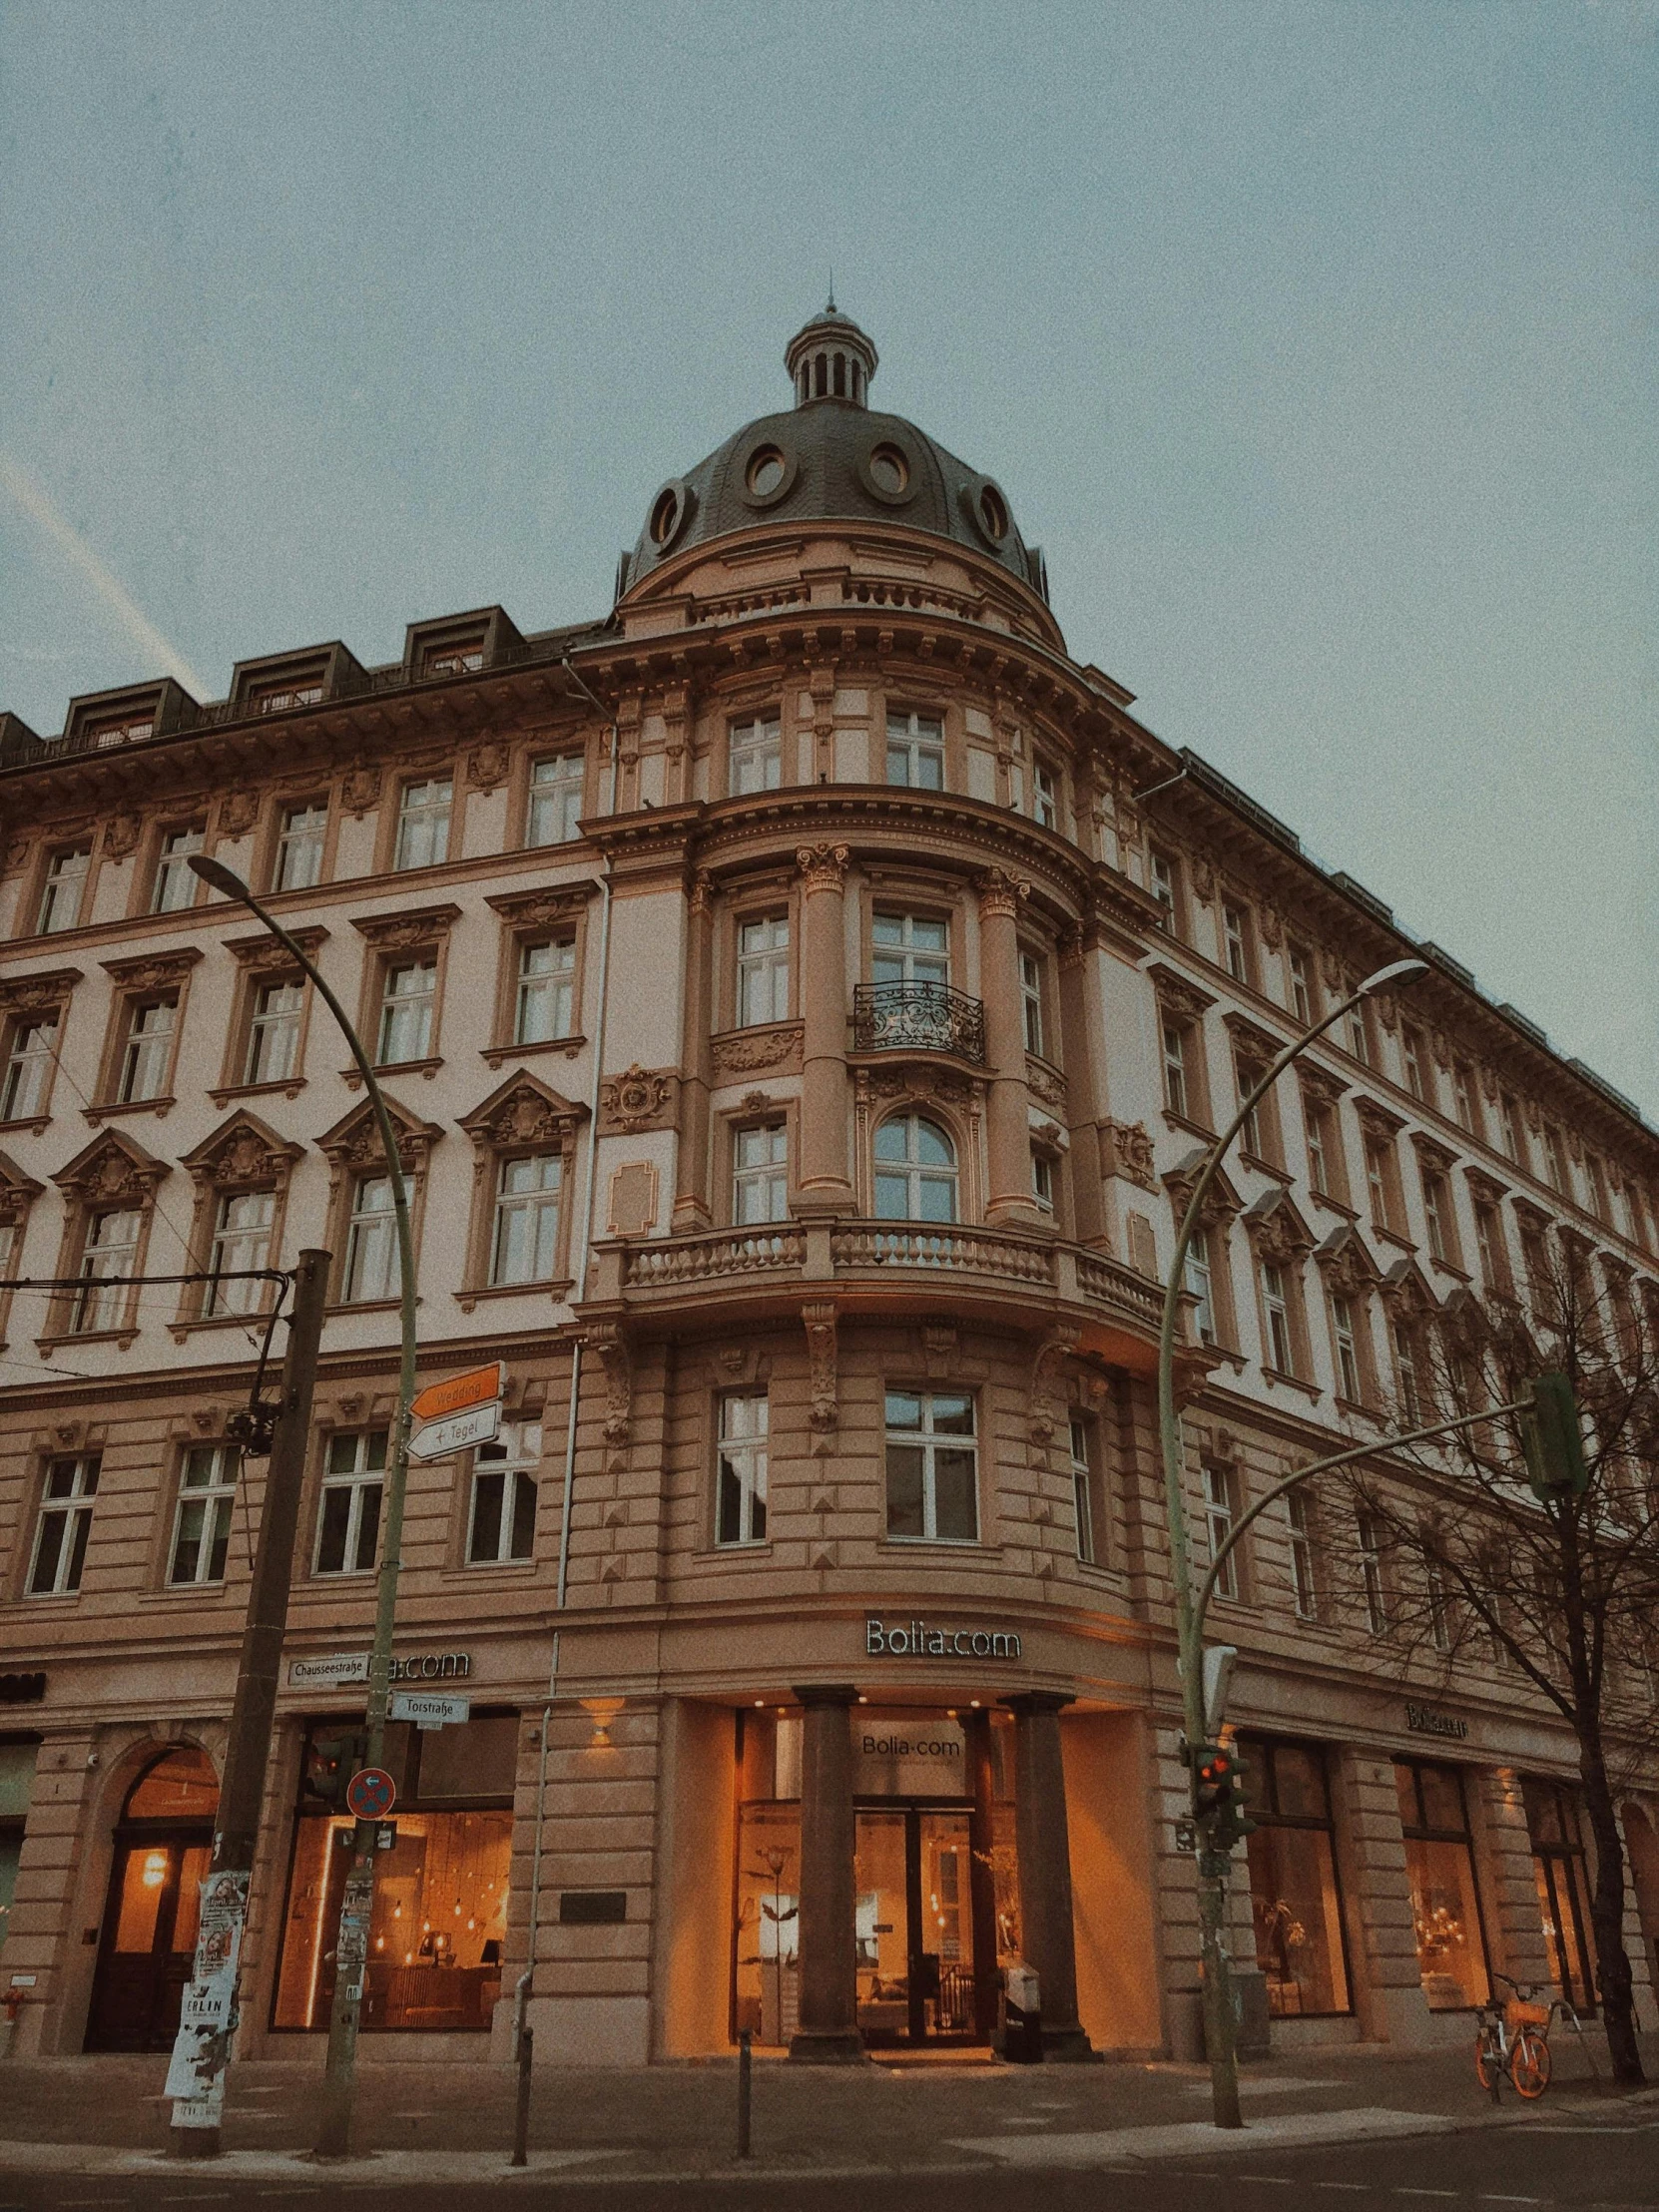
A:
(556, 786)
(1218, 1525)
(147, 1054)
(502, 1521)
(1344, 1331)
(1317, 1120)
(1246, 1074)
(755, 757)
(1411, 1053)
(1488, 1237)
(1555, 1160)
(408, 998)
(1031, 1001)
(1201, 1287)
(174, 886)
(348, 1525)
(63, 1527)
(1299, 974)
(741, 1471)
(909, 948)
(1369, 1541)
(300, 846)
(201, 1520)
(273, 1031)
(1436, 1210)
(1377, 1179)
(1045, 800)
(544, 995)
(34, 1047)
(109, 1254)
(1082, 1491)
(932, 1467)
(1303, 1581)
(1234, 944)
(1161, 870)
(370, 1242)
(1445, 1906)
(64, 890)
(525, 1246)
(1042, 1181)
(915, 752)
(281, 698)
(1177, 1091)
(1358, 1036)
(764, 970)
(1439, 1605)
(1294, 1899)
(1405, 1367)
(1276, 1302)
(760, 1173)
(423, 811)
(241, 1240)
(1463, 1097)
(1508, 1127)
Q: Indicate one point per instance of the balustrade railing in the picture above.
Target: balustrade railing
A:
(914, 1244)
(918, 1017)
(702, 1258)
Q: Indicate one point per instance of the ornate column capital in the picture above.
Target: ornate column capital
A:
(1001, 894)
(822, 866)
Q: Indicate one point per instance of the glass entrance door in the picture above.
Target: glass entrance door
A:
(149, 1940)
(915, 1926)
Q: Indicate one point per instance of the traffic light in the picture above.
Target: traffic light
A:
(1553, 1441)
(330, 1762)
(1218, 1796)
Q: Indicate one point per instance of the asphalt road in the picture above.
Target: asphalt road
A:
(1587, 2165)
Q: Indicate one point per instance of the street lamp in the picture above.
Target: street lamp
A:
(356, 1908)
(1219, 2036)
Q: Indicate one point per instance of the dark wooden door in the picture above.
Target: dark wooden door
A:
(148, 1940)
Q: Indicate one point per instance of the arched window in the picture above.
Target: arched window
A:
(181, 1786)
(840, 376)
(915, 1170)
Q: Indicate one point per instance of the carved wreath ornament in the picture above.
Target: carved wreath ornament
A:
(637, 1099)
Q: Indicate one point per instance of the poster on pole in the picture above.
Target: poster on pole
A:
(207, 2012)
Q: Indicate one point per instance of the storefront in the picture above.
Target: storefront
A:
(440, 1894)
(17, 1777)
(1296, 1901)
(1445, 1897)
(1556, 1831)
(163, 1847)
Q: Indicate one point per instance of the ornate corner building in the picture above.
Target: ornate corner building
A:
(804, 993)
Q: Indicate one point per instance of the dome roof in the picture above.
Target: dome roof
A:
(831, 459)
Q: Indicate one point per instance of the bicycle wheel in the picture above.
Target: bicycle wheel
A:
(1489, 2070)
(1529, 2063)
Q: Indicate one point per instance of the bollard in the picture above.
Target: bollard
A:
(744, 2076)
(521, 2118)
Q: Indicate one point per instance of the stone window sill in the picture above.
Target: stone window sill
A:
(475, 1572)
(1329, 1203)
(366, 1305)
(116, 1109)
(1186, 1123)
(1391, 1236)
(34, 1123)
(1267, 1167)
(761, 1550)
(1459, 1273)
(1293, 1382)
(353, 1076)
(291, 1086)
(553, 1288)
(497, 1054)
(180, 1330)
(122, 1339)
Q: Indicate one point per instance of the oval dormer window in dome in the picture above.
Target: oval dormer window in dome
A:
(764, 474)
(993, 515)
(891, 470)
(669, 512)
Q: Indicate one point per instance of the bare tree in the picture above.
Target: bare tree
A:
(1454, 1554)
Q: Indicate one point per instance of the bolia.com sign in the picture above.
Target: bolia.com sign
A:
(921, 1640)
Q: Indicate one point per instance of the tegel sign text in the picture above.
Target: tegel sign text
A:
(921, 1640)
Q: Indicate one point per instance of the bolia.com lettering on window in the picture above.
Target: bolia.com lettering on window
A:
(916, 1640)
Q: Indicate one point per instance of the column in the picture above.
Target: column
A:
(828, 2029)
(1009, 1202)
(691, 1192)
(1045, 1868)
(976, 1734)
(1082, 1034)
(824, 1185)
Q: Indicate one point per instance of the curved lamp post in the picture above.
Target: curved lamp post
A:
(351, 1951)
(1219, 2026)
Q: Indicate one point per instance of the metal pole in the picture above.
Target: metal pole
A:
(746, 2080)
(357, 1905)
(526, 1980)
(254, 1704)
(1215, 1965)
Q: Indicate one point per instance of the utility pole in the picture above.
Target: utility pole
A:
(204, 2046)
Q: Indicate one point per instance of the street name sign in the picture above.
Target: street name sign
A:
(427, 1709)
(340, 1666)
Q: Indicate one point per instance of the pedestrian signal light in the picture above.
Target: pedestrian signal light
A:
(1553, 1441)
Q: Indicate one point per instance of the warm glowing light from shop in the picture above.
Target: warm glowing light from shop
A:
(155, 1869)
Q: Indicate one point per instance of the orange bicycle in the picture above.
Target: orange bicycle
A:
(1513, 2039)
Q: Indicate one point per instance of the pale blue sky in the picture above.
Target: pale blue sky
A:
(1315, 343)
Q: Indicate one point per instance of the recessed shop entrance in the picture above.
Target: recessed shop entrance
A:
(914, 1926)
(162, 1849)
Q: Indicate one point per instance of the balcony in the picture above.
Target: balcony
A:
(1004, 1279)
(918, 1017)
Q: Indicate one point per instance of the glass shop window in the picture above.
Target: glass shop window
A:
(1560, 1868)
(440, 1894)
(1445, 1905)
(1295, 1896)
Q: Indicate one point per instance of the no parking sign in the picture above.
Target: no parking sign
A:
(370, 1794)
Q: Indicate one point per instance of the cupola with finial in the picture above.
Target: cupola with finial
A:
(830, 358)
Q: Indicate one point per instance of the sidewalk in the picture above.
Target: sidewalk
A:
(91, 2114)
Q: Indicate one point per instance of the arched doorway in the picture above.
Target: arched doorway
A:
(163, 1847)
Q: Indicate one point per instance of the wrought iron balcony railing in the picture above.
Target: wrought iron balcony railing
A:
(918, 1017)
